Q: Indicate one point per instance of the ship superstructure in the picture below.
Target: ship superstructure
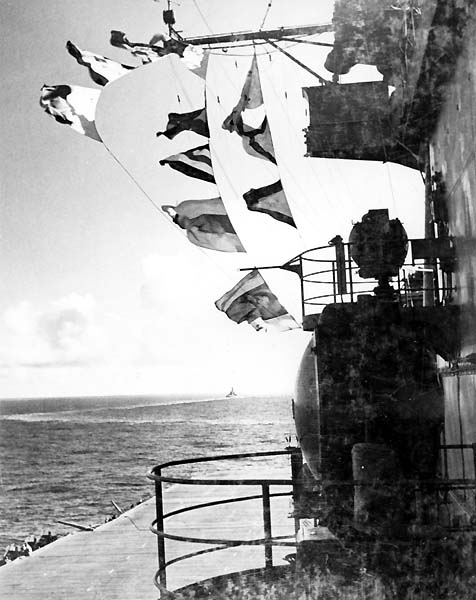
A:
(373, 420)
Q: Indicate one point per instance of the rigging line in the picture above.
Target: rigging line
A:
(253, 44)
(252, 255)
(260, 41)
(302, 188)
(183, 89)
(299, 41)
(292, 128)
(461, 172)
(216, 158)
(382, 139)
(249, 53)
(422, 176)
(233, 82)
(292, 44)
(379, 121)
(236, 45)
(167, 219)
(228, 184)
(267, 166)
(202, 16)
(270, 3)
(305, 67)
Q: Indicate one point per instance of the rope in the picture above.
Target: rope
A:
(382, 139)
(282, 165)
(305, 41)
(195, 3)
(301, 64)
(167, 219)
(266, 14)
(251, 45)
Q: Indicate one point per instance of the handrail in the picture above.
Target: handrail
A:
(179, 511)
(229, 543)
(268, 541)
(441, 292)
(438, 485)
(187, 481)
(190, 461)
(343, 275)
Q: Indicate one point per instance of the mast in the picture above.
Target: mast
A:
(242, 36)
(169, 18)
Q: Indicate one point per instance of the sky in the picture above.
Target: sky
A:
(100, 294)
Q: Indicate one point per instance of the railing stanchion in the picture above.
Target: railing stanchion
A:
(473, 447)
(296, 475)
(340, 267)
(268, 548)
(159, 507)
(351, 281)
(334, 283)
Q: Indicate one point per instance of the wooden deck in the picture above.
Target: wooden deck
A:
(118, 560)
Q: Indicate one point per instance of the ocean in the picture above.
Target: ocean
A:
(69, 458)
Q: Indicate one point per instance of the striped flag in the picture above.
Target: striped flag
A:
(101, 69)
(252, 301)
(196, 121)
(72, 105)
(206, 223)
(256, 139)
(194, 163)
(270, 199)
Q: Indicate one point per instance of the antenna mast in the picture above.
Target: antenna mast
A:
(169, 18)
(241, 36)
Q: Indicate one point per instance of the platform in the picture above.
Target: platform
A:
(118, 560)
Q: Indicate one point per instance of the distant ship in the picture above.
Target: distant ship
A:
(231, 394)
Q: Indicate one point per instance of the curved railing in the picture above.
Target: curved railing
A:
(268, 541)
(329, 275)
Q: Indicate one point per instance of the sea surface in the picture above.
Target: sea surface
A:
(69, 458)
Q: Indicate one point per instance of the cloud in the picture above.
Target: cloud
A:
(63, 330)
(74, 330)
(173, 338)
(67, 332)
